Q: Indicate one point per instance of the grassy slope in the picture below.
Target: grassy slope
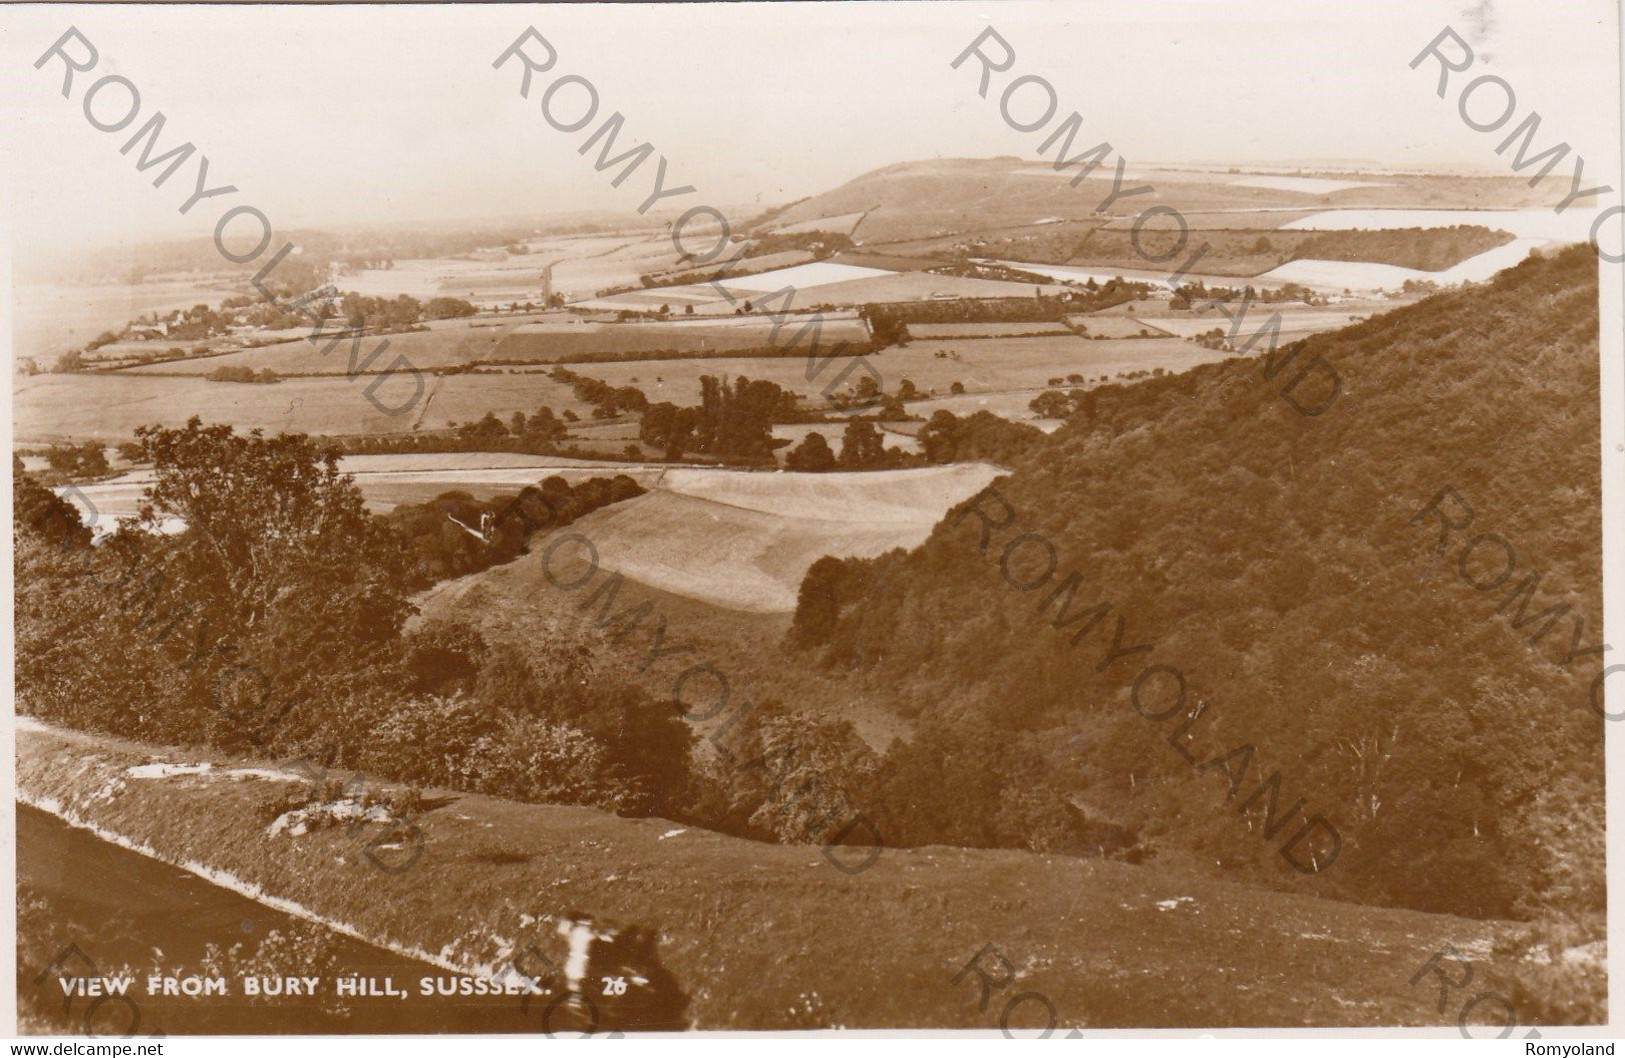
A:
(755, 932)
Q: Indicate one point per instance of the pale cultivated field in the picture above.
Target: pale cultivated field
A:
(705, 300)
(1204, 220)
(446, 343)
(110, 407)
(907, 286)
(744, 540)
(1307, 185)
(803, 276)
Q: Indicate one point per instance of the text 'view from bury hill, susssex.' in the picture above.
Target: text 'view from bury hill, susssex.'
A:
(1035, 591)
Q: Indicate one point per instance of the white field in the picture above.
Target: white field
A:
(1309, 185)
(811, 274)
(1366, 276)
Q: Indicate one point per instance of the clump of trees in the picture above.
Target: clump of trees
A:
(979, 437)
(233, 373)
(887, 318)
(733, 421)
(455, 534)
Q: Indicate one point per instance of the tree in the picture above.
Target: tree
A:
(543, 425)
(88, 460)
(447, 308)
(862, 445)
(1051, 404)
(813, 454)
(279, 561)
(38, 512)
(489, 428)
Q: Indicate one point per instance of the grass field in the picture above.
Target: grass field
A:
(744, 540)
(576, 342)
(551, 338)
(983, 365)
(582, 265)
(986, 330)
(788, 941)
(445, 344)
(110, 407)
(1104, 326)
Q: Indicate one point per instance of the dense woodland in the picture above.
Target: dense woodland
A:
(1273, 560)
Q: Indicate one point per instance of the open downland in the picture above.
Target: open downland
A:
(776, 937)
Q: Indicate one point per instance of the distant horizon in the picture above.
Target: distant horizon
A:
(657, 219)
(364, 116)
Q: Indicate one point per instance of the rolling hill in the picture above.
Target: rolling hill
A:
(921, 200)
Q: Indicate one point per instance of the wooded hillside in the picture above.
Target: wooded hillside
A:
(1322, 591)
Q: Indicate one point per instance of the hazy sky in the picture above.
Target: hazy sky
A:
(323, 115)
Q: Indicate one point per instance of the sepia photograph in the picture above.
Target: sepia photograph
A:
(1070, 519)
